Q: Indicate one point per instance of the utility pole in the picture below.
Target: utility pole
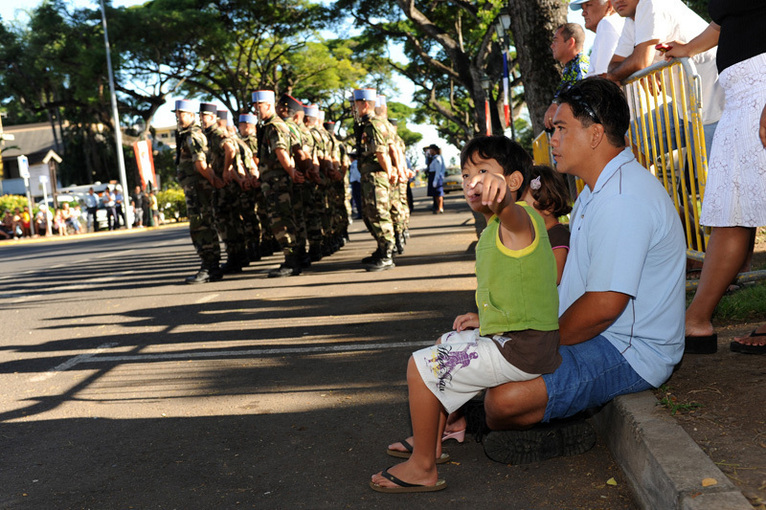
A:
(116, 116)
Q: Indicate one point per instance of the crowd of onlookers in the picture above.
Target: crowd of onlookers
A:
(71, 218)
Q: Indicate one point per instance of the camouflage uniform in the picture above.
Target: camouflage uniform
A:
(251, 226)
(276, 183)
(191, 147)
(261, 228)
(311, 197)
(321, 205)
(227, 199)
(397, 211)
(371, 139)
(338, 196)
(299, 189)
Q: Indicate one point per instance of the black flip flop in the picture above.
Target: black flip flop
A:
(735, 346)
(404, 487)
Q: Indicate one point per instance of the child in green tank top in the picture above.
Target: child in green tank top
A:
(514, 335)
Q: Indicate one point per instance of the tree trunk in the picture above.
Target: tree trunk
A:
(533, 23)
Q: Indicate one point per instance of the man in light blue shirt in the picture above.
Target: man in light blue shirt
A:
(621, 314)
(91, 204)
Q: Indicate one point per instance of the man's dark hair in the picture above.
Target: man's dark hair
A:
(603, 99)
(573, 31)
(509, 155)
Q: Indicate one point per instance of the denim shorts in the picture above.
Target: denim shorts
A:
(591, 374)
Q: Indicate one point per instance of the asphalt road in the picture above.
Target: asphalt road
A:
(121, 387)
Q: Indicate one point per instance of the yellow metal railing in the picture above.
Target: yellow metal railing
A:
(667, 137)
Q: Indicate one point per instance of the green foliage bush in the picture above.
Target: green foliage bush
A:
(10, 202)
(172, 203)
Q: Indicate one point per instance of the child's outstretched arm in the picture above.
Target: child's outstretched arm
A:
(497, 193)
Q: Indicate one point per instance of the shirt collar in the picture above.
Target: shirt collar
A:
(626, 156)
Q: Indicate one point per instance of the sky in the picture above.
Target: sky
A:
(11, 10)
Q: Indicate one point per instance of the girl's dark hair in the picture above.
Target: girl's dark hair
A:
(553, 193)
(509, 155)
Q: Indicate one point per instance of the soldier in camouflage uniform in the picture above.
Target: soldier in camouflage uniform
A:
(198, 181)
(221, 157)
(278, 173)
(254, 215)
(291, 111)
(405, 174)
(339, 210)
(377, 170)
(398, 211)
(312, 193)
(321, 203)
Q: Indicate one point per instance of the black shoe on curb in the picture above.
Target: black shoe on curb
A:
(543, 441)
(475, 419)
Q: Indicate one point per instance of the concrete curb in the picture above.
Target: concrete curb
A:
(663, 465)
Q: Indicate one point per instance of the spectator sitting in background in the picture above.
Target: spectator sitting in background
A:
(601, 19)
(71, 218)
(6, 227)
(26, 222)
(42, 220)
(567, 50)
(59, 223)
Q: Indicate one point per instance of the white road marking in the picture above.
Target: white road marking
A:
(207, 298)
(255, 352)
(92, 355)
(81, 358)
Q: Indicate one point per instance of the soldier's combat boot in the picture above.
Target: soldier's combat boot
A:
(254, 251)
(375, 255)
(303, 258)
(399, 243)
(290, 267)
(384, 261)
(315, 252)
(204, 275)
(235, 261)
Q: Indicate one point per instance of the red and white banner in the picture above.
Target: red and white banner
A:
(145, 162)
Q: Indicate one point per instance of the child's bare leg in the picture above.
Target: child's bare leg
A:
(428, 418)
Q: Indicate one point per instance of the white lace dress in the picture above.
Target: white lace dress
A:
(735, 194)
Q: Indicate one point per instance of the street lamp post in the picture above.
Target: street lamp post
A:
(115, 114)
(502, 27)
(485, 84)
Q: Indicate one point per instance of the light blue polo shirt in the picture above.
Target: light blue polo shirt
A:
(626, 237)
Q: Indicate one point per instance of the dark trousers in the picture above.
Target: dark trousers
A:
(356, 197)
(111, 216)
(92, 218)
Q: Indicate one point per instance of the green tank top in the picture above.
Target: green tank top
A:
(516, 289)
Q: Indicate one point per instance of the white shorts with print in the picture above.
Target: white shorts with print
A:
(462, 365)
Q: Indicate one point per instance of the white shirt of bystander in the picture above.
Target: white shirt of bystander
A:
(669, 20)
(608, 33)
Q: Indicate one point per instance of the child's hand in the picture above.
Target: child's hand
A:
(466, 321)
(492, 188)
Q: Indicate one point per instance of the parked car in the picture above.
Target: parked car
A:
(453, 182)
